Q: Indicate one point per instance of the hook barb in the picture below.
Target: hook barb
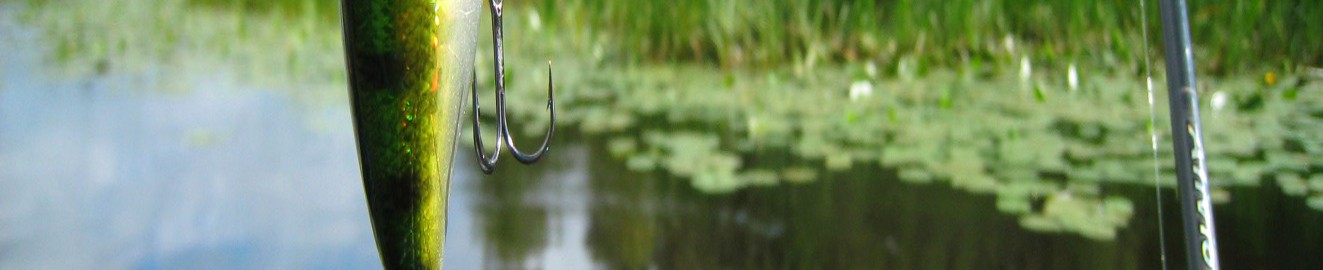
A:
(551, 128)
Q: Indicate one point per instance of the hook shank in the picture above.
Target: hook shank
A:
(488, 164)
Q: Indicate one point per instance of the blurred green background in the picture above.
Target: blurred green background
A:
(776, 134)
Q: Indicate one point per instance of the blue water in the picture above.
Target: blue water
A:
(185, 166)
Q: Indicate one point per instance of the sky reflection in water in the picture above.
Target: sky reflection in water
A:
(123, 169)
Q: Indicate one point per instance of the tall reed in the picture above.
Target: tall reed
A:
(1230, 34)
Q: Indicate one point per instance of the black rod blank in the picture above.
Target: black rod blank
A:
(1187, 138)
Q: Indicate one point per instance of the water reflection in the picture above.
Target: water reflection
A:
(513, 218)
(107, 171)
(627, 220)
(623, 215)
(118, 170)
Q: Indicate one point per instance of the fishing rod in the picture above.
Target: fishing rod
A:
(1187, 137)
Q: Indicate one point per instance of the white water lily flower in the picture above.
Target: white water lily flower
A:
(1073, 77)
(1025, 68)
(860, 89)
(534, 21)
(871, 69)
(1219, 100)
(1009, 42)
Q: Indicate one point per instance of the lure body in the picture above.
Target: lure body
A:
(409, 62)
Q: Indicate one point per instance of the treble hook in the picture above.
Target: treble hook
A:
(488, 164)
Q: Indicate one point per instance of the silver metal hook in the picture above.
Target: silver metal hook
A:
(488, 164)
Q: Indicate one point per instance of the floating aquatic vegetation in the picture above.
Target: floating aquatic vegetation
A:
(295, 49)
(982, 134)
(759, 177)
(799, 174)
(696, 155)
(1088, 215)
(294, 44)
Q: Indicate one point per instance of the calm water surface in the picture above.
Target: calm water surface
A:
(123, 169)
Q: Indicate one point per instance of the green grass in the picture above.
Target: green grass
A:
(1231, 35)
(321, 9)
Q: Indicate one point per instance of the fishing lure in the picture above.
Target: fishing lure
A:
(409, 62)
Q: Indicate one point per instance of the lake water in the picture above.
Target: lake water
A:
(171, 168)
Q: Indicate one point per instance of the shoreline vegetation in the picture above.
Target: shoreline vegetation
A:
(1042, 110)
(1231, 36)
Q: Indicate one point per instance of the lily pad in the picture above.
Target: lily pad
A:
(1291, 184)
(1316, 202)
